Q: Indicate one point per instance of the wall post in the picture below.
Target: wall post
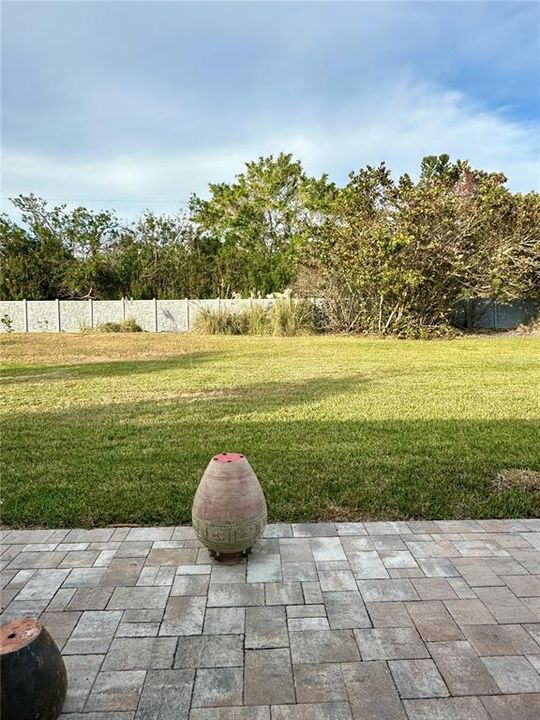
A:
(58, 320)
(187, 314)
(155, 316)
(25, 315)
(91, 312)
(123, 309)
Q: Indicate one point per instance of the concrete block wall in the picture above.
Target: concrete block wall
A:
(76, 315)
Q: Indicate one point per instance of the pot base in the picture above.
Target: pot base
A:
(229, 558)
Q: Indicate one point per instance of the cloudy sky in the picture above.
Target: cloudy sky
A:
(138, 104)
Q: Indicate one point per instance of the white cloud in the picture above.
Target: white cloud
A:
(399, 126)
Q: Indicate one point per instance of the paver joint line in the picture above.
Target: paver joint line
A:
(328, 621)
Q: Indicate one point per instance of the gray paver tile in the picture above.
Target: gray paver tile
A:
(500, 640)
(138, 598)
(81, 671)
(312, 593)
(336, 580)
(84, 577)
(478, 574)
(116, 690)
(314, 529)
(171, 556)
(462, 669)
(327, 548)
(438, 567)
(184, 615)
(166, 695)
(93, 633)
(346, 610)
(305, 611)
(436, 588)
(264, 568)
(150, 533)
(190, 585)
(513, 674)
(60, 625)
(266, 627)
(138, 630)
(351, 528)
(235, 594)
(122, 572)
(224, 621)
(153, 575)
(389, 614)
(303, 571)
(61, 599)
(227, 574)
(133, 549)
(372, 692)
(523, 585)
(367, 565)
(43, 585)
(277, 530)
(418, 678)
(504, 605)
(215, 687)
(390, 644)
(307, 623)
(259, 712)
(88, 536)
(284, 593)
(295, 550)
(469, 612)
(387, 590)
(433, 621)
(268, 678)
(197, 651)
(318, 711)
(462, 708)
(141, 653)
(323, 646)
(37, 560)
(513, 707)
(92, 598)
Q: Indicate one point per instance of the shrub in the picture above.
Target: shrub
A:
(287, 317)
(292, 317)
(257, 320)
(220, 322)
(129, 325)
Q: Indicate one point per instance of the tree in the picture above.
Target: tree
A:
(260, 222)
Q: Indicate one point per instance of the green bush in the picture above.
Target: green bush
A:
(126, 326)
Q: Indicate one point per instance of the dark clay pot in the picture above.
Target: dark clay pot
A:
(33, 674)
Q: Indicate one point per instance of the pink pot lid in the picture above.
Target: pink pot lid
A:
(229, 457)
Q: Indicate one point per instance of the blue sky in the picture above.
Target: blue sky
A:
(138, 104)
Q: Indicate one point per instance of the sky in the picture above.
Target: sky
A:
(133, 105)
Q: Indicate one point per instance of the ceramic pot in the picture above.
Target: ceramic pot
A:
(33, 674)
(229, 509)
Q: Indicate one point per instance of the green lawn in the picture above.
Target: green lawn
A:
(100, 429)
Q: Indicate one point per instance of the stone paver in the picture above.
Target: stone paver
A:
(324, 621)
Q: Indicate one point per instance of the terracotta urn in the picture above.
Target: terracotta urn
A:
(229, 509)
(33, 674)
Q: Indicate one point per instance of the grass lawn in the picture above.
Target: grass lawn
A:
(100, 429)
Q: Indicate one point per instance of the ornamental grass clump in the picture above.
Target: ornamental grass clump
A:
(220, 322)
(290, 316)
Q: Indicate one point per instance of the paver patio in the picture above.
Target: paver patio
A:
(349, 621)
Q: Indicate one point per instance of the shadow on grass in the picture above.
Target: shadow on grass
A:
(99, 369)
(141, 462)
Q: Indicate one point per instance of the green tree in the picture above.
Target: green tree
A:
(260, 222)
